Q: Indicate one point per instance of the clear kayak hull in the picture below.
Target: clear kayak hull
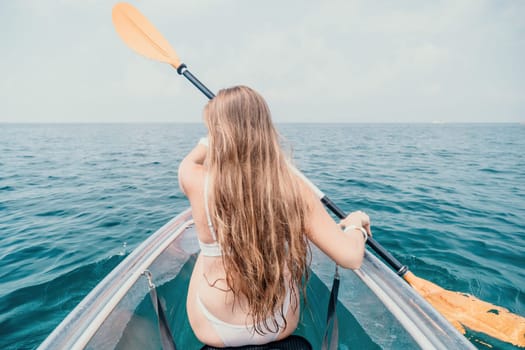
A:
(376, 308)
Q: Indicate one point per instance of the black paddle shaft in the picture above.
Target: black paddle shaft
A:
(382, 252)
(183, 70)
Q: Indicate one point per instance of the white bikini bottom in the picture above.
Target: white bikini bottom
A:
(239, 335)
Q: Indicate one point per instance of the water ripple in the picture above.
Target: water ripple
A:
(447, 200)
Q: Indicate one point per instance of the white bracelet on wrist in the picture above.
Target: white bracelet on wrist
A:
(353, 227)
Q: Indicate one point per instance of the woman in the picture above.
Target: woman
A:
(253, 216)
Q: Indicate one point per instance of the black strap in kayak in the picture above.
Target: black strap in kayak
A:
(165, 334)
(331, 317)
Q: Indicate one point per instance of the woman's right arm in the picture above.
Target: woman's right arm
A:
(345, 248)
(190, 164)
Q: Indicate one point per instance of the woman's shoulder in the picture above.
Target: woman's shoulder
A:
(191, 176)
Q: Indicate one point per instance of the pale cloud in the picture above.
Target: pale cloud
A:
(353, 61)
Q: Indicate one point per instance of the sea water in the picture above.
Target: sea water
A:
(448, 200)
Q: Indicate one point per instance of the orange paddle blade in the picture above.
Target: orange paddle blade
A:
(141, 36)
(464, 310)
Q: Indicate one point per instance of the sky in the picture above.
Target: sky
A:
(314, 61)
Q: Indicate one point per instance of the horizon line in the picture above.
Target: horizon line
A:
(275, 122)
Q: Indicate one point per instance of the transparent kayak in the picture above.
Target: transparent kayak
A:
(376, 309)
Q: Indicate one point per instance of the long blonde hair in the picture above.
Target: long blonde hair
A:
(256, 205)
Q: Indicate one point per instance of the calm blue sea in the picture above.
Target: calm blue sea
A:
(446, 199)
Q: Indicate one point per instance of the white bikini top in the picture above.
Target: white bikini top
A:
(209, 249)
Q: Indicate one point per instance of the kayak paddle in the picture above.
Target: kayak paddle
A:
(462, 310)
